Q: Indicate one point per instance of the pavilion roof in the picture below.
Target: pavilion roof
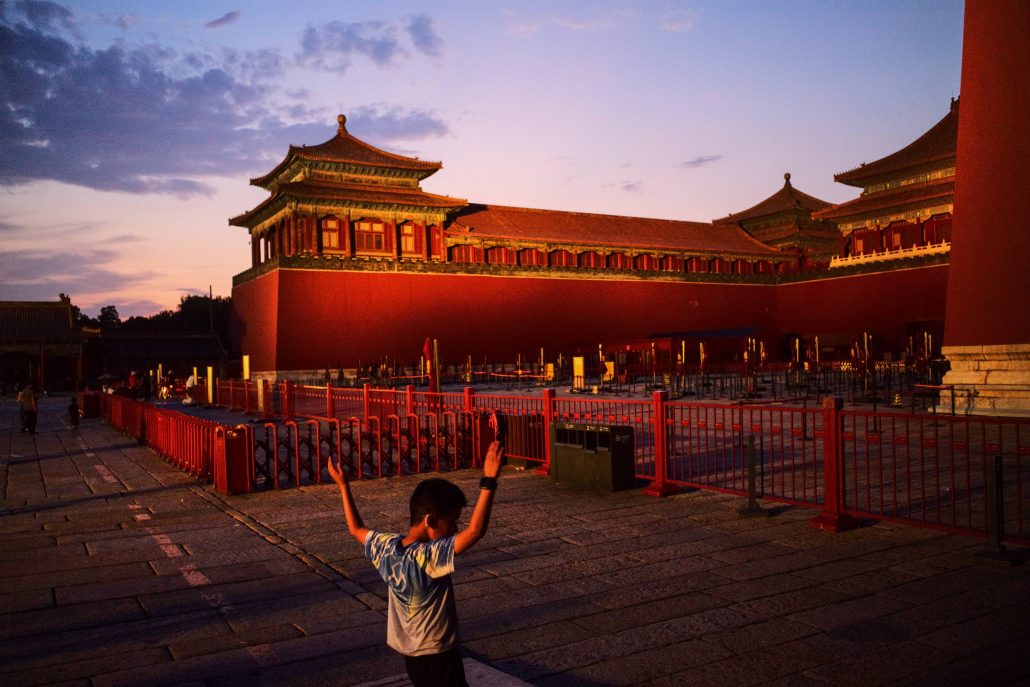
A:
(37, 322)
(787, 199)
(903, 196)
(343, 148)
(527, 224)
(935, 146)
(330, 193)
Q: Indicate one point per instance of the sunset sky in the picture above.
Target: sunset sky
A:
(130, 129)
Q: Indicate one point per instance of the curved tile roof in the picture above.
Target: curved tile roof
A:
(902, 196)
(527, 224)
(346, 149)
(37, 322)
(315, 192)
(937, 144)
(787, 198)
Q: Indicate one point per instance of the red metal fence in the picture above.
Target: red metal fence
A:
(957, 473)
(920, 469)
(184, 441)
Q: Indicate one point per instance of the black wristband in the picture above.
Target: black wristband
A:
(488, 483)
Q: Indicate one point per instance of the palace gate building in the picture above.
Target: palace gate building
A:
(352, 262)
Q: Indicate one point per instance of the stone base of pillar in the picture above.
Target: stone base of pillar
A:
(987, 380)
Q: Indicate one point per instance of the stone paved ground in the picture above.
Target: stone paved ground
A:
(116, 569)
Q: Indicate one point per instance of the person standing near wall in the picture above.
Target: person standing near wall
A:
(28, 399)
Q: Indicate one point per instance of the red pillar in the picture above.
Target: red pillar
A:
(987, 320)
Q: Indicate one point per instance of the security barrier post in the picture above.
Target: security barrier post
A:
(660, 487)
(832, 519)
(545, 469)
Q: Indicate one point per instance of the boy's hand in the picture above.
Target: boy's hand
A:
(492, 462)
(336, 472)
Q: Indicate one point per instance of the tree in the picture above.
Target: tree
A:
(109, 318)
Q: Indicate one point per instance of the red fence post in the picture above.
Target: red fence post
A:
(831, 518)
(469, 402)
(366, 403)
(231, 461)
(409, 399)
(330, 409)
(659, 487)
(545, 469)
(287, 399)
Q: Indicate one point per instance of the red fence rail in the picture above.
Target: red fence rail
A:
(184, 441)
(925, 470)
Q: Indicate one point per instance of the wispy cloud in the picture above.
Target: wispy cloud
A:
(224, 20)
(423, 35)
(382, 122)
(627, 186)
(152, 119)
(42, 274)
(680, 20)
(335, 45)
(527, 26)
(699, 161)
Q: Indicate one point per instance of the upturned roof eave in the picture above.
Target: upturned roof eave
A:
(924, 150)
(275, 203)
(897, 198)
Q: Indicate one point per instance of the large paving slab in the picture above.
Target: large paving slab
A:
(117, 569)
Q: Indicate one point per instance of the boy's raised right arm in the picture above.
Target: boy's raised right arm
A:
(480, 519)
(355, 525)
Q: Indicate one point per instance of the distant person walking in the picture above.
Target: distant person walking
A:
(74, 412)
(28, 399)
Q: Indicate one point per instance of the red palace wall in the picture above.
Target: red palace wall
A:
(882, 304)
(333, 319)
(254, 313)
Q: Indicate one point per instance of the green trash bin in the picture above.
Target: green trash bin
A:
(593, 456)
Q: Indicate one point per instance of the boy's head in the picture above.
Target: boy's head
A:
(439, 499)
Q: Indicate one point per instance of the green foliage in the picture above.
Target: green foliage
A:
(194, 315)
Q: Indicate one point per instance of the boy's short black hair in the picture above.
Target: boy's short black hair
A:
(436, 496)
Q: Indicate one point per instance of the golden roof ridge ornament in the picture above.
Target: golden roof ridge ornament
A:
(342, 119)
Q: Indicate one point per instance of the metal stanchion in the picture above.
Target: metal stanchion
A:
(752, 509)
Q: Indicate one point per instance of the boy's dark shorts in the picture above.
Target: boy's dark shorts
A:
(436, 670)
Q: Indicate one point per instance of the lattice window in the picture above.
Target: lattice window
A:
(369, 236)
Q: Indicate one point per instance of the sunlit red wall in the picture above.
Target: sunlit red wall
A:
(334, 319)
(881, 303)
(304, 320)
(253, 324)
